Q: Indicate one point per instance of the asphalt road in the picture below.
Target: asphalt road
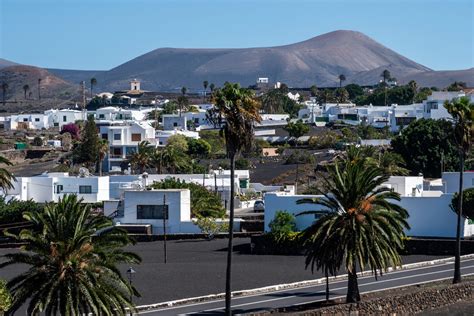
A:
(291, 297)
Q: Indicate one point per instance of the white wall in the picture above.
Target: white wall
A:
(280, 202)
(451, 181)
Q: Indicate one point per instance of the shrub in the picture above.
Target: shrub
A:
(283, 223)
(467, 203)
(327, 140)
(209, 226)
(37, 141)
(242, 164)
(299, 157)
(198, 148)
(72, 129)
(5, 298)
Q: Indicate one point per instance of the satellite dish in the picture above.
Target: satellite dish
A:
(83, 172)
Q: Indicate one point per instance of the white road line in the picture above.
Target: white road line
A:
(305, 287)
(336, 289)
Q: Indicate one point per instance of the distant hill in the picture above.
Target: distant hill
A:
(6, 63)
(55, 92)
(319, 61)
(75, 76)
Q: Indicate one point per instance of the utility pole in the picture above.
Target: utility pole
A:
(165, 215)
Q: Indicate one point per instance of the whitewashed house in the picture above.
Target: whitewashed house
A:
(123, 139)
(50, 187)
(429, 211)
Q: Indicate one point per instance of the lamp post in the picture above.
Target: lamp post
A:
(130, 273)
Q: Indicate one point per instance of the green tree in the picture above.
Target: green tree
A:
(72, 263)
(462, 111)
(283, 223)
(87, 151)
(179, 142)
(25, 90)
(354, 90)
(467, 203)
(456, 86)
(13, 210)
(360, 225)
(212, 87)
(342, 95)
(6, 177)
(277, 101)
(205, 83)
(141, 159)
(198, 148)
(341, 79)
(427, 146)
(240, 109)
(314, 91)
(93, 83)
(423, 94)
(296, 129)
(37, 141)
(204, 203)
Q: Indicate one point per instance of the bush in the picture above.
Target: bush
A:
(325, 141)
(282, 223)
(300, 157)
(12, 211)
(5, 298)
(37, 141)
(204, 203)
(242, 164)
(198, 148)
(72, 129)
(467, 203)
(209, 226)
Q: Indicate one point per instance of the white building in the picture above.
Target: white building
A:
(112, 113)
(147, 207)
(163, 136)
(52, 186)
(123, 140)
(58, 118)
(429, 212)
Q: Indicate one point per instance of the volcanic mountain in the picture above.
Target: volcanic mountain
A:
(319, 60)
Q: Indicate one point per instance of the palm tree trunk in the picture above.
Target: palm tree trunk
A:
(228, 309)
(100, 167)
(457, 251)
(353, 295)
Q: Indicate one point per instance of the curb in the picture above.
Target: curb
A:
(278, 287)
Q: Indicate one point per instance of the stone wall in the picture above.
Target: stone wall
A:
(406, 304)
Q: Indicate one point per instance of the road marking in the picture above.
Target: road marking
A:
(308, 286)
(336, 289)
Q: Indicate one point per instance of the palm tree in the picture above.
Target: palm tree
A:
(4, 91)
(385, 75)
(462, 112)
(205, 83)
(238, 110)
(6, 177)
(93, 83)
(212, 87)
(172, 159)
(359, 223)
(341, 79)
(103, 149)
(414, 87)
(72, 261)
(141, 158)
(183, 90)
(39, 88)
(25, 89)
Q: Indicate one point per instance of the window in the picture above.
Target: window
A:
(56, 124)
(37, 119)
(117, 136)
(104, 136)
(64, 118)
(175, 124)
(101, 116)
(59, 188)
(25, 120)
(85, 189)
(136, 137)
(152, 211)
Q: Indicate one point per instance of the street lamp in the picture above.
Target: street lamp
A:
(130, 273)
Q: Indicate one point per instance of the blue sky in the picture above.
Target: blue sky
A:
(101, 34)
